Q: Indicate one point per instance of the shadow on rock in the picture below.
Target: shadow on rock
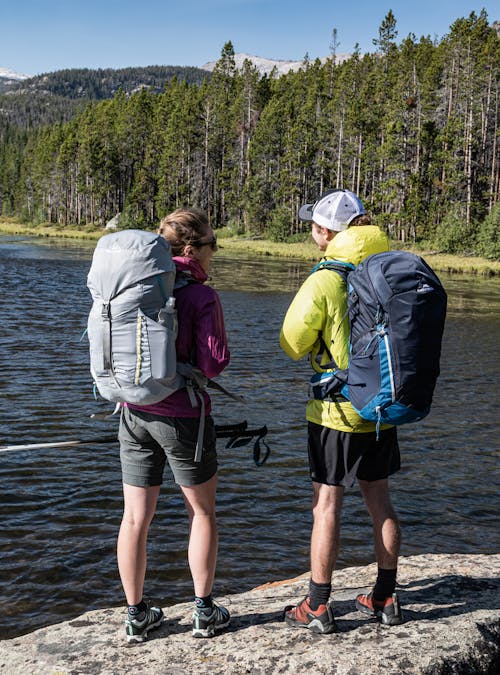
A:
(451, 595)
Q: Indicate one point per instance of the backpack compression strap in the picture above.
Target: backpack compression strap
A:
(106, 336)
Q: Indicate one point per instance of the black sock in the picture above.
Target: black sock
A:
(318, 594)
(204, 603)
(136, 611)
(385, 584)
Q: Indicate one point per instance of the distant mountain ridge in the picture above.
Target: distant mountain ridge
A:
(80, 84)
(43, 99)
(103, 83)
(86, 83)
(266, 66)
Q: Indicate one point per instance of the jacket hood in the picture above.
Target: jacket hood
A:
(190, 267)
(356, 243)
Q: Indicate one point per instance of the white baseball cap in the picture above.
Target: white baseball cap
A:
(334, 210)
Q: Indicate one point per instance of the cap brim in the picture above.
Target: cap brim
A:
(306, 212)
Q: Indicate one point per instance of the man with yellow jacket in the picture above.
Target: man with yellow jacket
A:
(341, 445)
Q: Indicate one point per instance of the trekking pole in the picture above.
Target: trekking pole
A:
(58, 444)
(238, 435)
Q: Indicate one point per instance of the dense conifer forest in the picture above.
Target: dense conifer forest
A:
(413, 128)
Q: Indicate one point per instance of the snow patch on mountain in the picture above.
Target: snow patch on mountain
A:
(7, 74)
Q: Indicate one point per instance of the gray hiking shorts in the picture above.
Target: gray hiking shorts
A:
(148, 441)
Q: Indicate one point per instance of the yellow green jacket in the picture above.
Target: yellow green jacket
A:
(319, 309)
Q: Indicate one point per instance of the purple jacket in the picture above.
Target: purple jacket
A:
(201, 338)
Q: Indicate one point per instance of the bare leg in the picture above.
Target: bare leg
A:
(327, 507)
(203, 537)
(386, 529)
(139, 509)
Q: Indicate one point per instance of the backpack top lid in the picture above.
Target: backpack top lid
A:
(123, 259)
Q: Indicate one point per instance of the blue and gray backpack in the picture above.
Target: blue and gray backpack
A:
(397, 308)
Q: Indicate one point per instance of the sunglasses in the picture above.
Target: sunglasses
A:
(211, 242)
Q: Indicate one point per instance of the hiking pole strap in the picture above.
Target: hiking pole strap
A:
(260, 461)
(239, 439)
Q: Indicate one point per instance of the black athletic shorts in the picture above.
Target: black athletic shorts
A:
(339, 457)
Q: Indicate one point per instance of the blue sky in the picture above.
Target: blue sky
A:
(47, 35)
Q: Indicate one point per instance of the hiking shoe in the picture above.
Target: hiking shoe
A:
(387, 611)
(320, 620)
(206, 622)
(137, 631)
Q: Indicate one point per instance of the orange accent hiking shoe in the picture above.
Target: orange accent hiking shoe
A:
(388, 611)
(320, 620)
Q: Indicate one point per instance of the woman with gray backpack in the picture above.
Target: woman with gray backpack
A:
(169, 430)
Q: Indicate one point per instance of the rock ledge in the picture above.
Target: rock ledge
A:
(452, 625)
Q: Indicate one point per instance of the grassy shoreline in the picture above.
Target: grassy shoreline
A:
(440, 262)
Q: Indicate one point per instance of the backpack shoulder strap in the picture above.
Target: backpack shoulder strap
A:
(183, 278)
(343, 269)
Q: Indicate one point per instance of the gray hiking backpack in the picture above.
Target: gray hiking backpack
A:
(132, 326)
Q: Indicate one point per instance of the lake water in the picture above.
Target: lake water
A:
(61, 507)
